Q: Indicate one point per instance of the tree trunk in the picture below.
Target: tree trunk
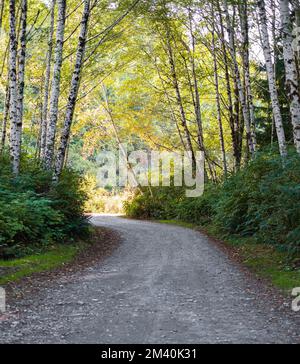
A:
(43, 132)
(218, 103)
(5, 118)
(271, 77)
(242, 97)
(243, 10)
(55, 91)
(197, 95)
(292, 81)
(179, 100)
(14, 145)
(1, 15)
(73, 92)
(21, 71)
(233, 117)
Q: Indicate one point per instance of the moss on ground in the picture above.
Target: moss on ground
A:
(13, 270)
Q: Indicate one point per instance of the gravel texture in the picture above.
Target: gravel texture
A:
(163, 284)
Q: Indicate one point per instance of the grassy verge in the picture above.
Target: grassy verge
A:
(13, 270)
(263, 260)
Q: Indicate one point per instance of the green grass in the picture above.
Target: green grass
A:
(25, 267)
(265, 261)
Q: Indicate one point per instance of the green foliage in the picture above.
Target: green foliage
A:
(262, 201)
(34, 214)
(159, 203)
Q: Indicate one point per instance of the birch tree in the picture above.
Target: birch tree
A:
(218, 102)
(233, 116)
(291, 73)
(5, 118)
(55, 90)
(21, 72)
(240, 89)
(13, 109)
(243, 13)
(179, 98)
(73, 91)
(44, 116)
(271, 77)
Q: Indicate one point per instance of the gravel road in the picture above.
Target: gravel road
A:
(164, 284)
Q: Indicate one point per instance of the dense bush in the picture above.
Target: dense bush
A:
(35, 214)
(157, 203)
(262, 201)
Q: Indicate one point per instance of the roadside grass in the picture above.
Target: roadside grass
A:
(264, 260)
(14, 270)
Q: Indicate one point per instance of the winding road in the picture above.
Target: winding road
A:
(164, 284)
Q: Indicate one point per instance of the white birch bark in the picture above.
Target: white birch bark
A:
(218, 101)
(73, 92)
(292, 81)
(242, 96)
(271, 77)
(232, 117)
(197, 102)
(43, 133)
(21, 72)
(13, 115)
(243, 10)
(55, 91)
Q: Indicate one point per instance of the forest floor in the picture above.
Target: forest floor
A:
(161, 284)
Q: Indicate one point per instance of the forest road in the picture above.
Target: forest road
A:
(163, 284)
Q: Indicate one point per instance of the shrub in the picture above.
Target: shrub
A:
(34, 214)
(262, 201)
(157, 203)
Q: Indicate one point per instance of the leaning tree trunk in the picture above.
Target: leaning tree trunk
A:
(291, 74)
(55, 92)
(242, 96)
(179, 101)
(73, 92)
(271, 77)
(13, 108)
(43, 131)
(21, 71)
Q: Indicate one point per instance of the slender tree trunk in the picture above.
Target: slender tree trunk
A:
(73, 92)
(14, 146)
(233, 117)
(44, 116)
(179, 100)
(292, 81)
(55, 91)
(120, 144)
(1, 15)
(21, 71)
(5, 118)
(218, 103)
(197, 95)
(241, 92)
(243, 10)
(173, 116)
(271, 77)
